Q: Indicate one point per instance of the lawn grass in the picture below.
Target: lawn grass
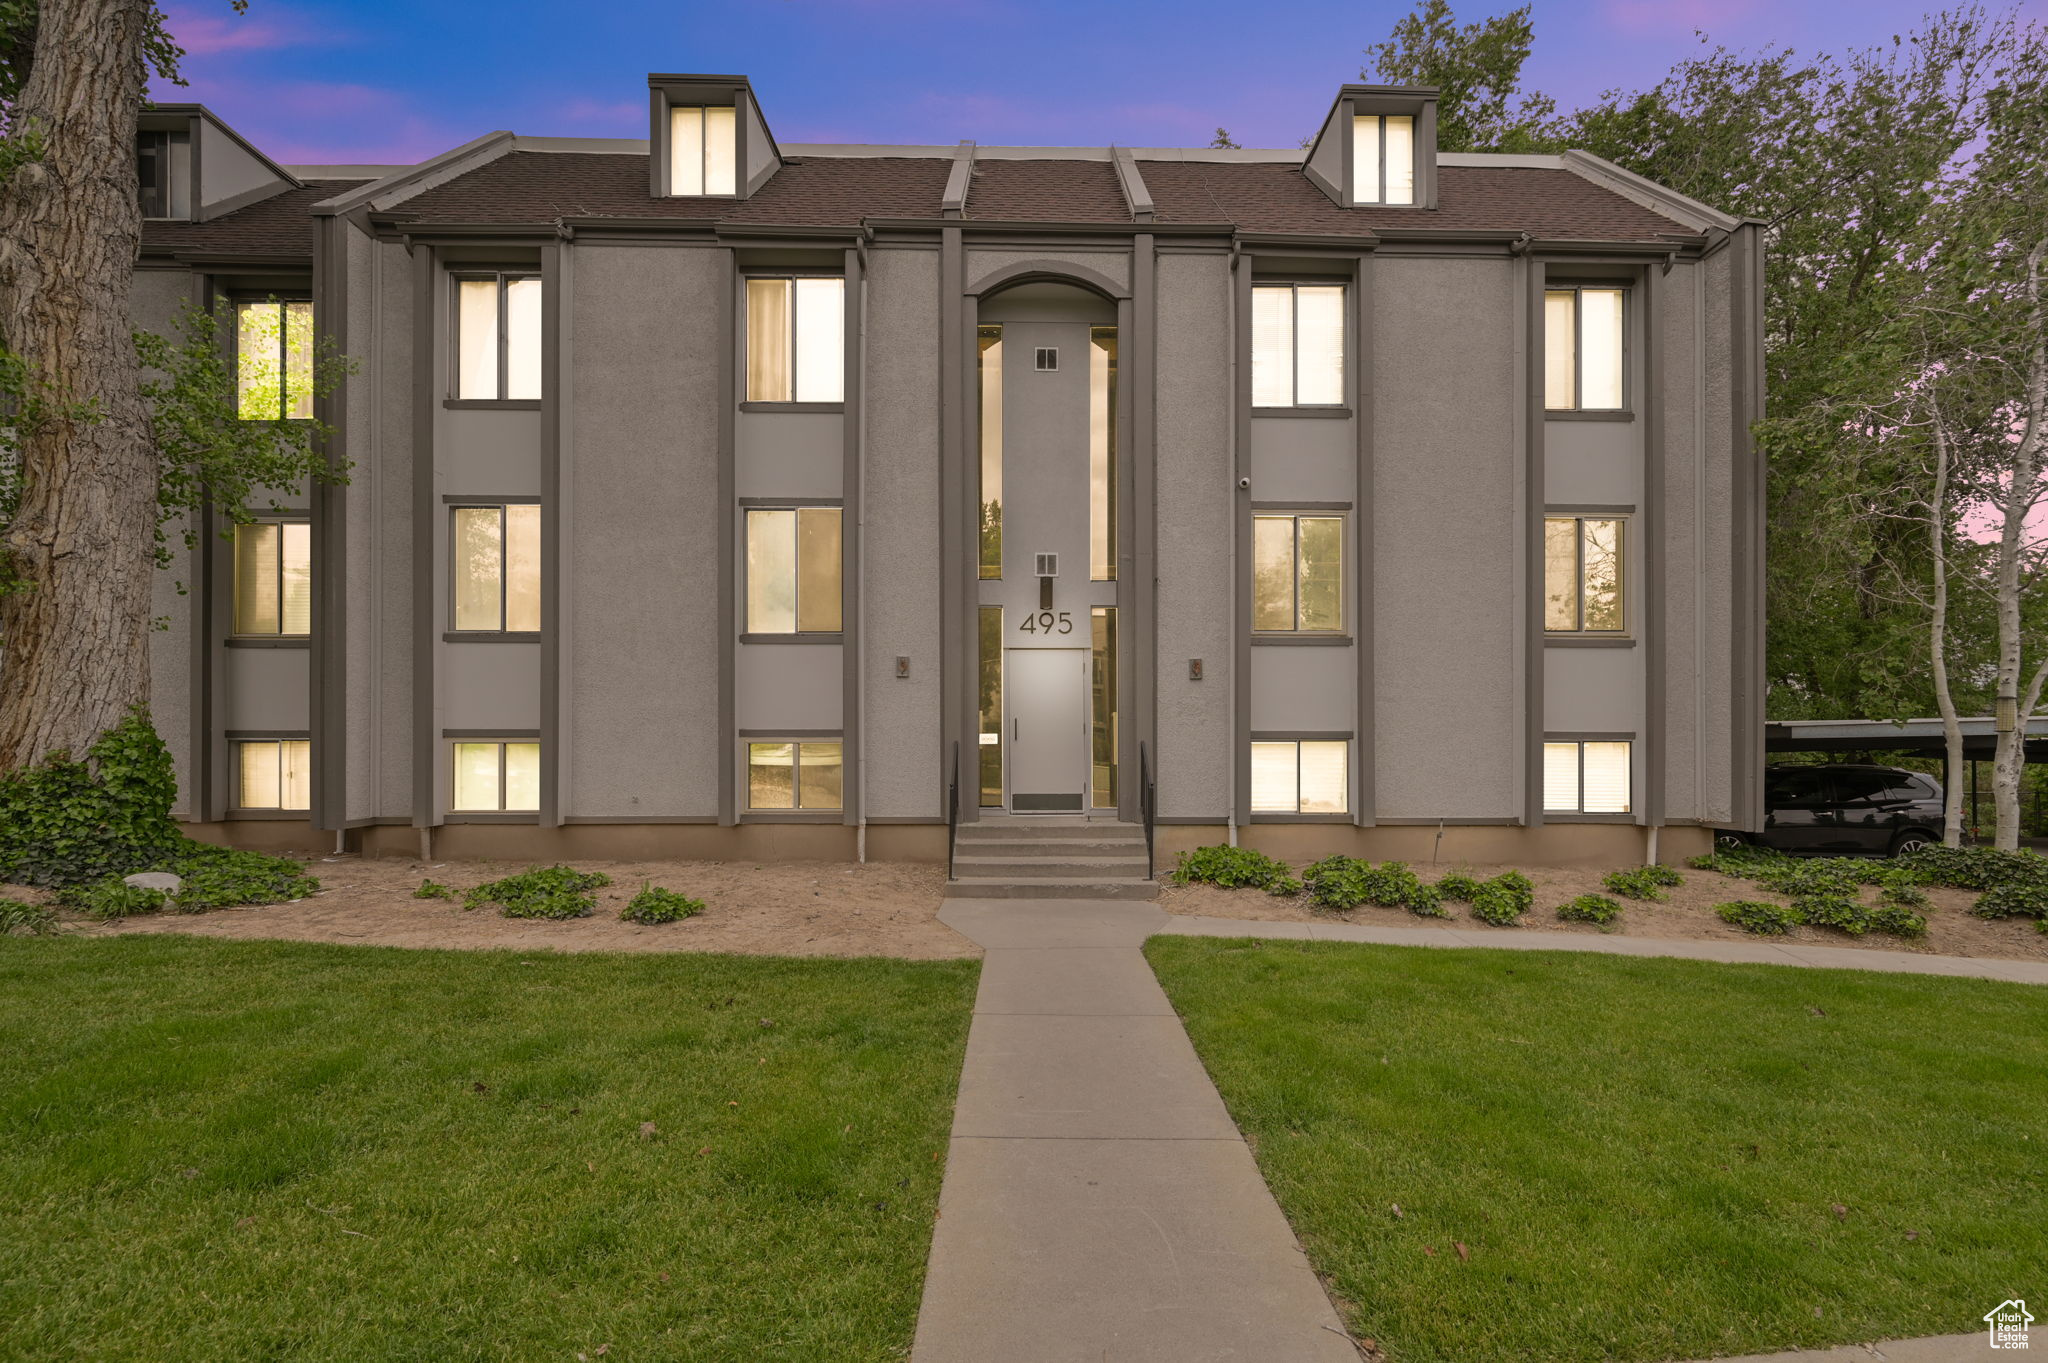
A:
(1643, 1157)
(241, 1150)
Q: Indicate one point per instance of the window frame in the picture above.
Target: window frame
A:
(1578, 410)
(178, 183)
(796, 506)
(1294, 286)
(454, 633)
(792, 403)
(504, 277)
(1297, 814)
(280, 637)
(238, 810)
(1339, 633)
(795, 739)
(1625, 577)
(501, 740)
(1380, 200)
(670, 108)
(1582, 814)
(239, 300)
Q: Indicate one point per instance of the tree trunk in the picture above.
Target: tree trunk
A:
(2020, 493)
(73, 643)
(1944, 698)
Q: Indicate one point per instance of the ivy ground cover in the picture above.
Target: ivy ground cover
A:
(214, 1150)
(1557, 1157)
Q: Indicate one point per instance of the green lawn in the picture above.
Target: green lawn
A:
(1643, 1157)
(253, 1150)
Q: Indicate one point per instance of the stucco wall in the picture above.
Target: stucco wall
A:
(384, 638)
(154, 302)
(1446, 574)
(642, 737)
(1114, 266)
(1716, 776)
(900, 612)
(1685, 582)
(1197, 507)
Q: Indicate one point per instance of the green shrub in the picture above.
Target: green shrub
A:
(32, 920)
(1976, 868)
(1341, 882)
(109, 900)
(1903, 895)
(1503, 900)
(1830, 909)
(1642, 882)
(1230, 867)
(1896, 920)
(656, 905)
(66, 822)
(1457, 885)
(2017, 899)
(1754, 915)
(1284, 887)
(1793, 878)
(1427, 901)
(224, 878)
(1742, 860)
(541, 892)
(433, 889)
(1590, 908)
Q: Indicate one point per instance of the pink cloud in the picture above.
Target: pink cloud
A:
(1675, 16)
(203, 33)
(325, 122)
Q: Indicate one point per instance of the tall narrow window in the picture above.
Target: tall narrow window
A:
(806, 774)
(273, 360)
(1301, 776)
(496, 570)
(1298, 345)
(1102, 684)
(274, 578)
(1383, 159)
(1584, 562)
(495, 777)
(497, 337)
(991, 707)
(1102, 454)
(1297, 573)
(1584, 349)
(1586, 777)
(703, 151)
(273, 773)
(163, 173)
(793, 570)
(796, 340)
(990, 341)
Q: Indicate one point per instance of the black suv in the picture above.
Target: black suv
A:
(1836, 809)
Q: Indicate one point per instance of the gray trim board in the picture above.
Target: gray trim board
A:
(699, 819)
(1303, 413)
(1364, 757)
(1656, 721)
(1059, 271)
(499, 636)
(1299, 736)
(1302, 640)
(959, 182)
(1621, 414)
(1140, 585)
(958, 569)
(794, 735)
(1532, 548)
(726, 309)
(1586, 641)
(835, 637)
(551, 533)
(505, 735)
(326, 670)
(1462, 821)
(425, 514)
(1746, 652)
(1241, 589)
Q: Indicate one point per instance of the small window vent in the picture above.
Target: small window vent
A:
(1048, 359)
(1048, 565)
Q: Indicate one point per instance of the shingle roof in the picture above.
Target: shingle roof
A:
(540, 186)
(1046, 191)
(279, 226)
(1269, 196)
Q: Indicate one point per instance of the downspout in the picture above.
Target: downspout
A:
(860, 522)
(1230, 424)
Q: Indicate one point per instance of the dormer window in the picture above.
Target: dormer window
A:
(163, 173)
(703, 149)
(1383, 159)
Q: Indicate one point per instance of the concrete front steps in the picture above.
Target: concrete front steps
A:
(1049, 857)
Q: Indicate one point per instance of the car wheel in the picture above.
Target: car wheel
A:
(1729, 842)
(1915, 841)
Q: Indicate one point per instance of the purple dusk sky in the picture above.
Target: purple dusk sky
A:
(342, 81)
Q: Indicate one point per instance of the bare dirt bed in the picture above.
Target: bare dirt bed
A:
(769, 909)
(1687, 915)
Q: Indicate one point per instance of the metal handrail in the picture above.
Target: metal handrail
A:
(953, 810)
(1148, 803)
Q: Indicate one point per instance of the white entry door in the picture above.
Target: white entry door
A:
(1045, 699)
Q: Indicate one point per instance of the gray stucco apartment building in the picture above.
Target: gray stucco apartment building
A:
(712, 496)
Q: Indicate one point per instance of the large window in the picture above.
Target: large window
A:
(1102, 695)
(273, 360)
(990, 736)
(1383, 159)
(274, 578)
(1298, 345)
(497, 337)
(1584, 358)
(1301, 776)
(990, 343)
(1584, 563)
(273, 773)
(1102, 454)
(797, 774)
(796, 340)
(703, 150)
(1297, 574)
(793, 570)
(497, 778)
(496, 568)
(1586, 777)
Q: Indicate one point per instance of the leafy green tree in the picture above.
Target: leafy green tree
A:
(1477, 71)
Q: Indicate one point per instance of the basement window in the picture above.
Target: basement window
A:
(1301, 776)
(497, 778)
(795, 775)
(1586, 776)
(274, 773)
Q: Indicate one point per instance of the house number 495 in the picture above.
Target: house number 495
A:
(1045, 622)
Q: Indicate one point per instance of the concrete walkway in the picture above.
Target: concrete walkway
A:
(1935, 1349)
(1099, 1205)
